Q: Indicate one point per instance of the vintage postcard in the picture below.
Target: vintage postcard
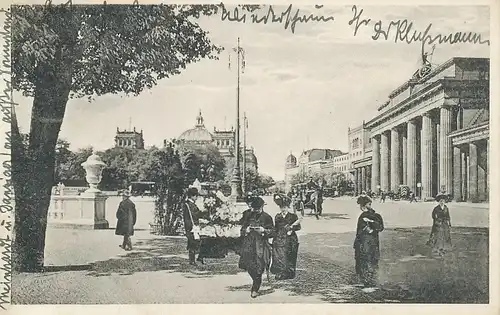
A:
(309, 158)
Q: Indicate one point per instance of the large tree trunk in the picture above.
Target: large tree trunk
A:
(35, 168)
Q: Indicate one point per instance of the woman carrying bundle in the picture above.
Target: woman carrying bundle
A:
(255, 253)
(366, 244)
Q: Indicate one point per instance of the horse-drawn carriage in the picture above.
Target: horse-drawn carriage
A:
(304, 198)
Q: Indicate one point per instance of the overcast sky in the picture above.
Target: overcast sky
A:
(299, 90)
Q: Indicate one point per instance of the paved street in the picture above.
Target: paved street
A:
(89, 267)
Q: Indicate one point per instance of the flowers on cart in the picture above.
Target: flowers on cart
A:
(227, 213)
(211, 203)
(217, 230)
(224, 218)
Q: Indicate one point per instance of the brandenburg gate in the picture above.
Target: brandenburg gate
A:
(434, 132)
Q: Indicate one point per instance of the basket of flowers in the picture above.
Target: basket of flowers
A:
(220, 230)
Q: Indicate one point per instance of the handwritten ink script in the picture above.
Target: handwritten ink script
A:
(402, 31)
(6, 187)
(289, 18)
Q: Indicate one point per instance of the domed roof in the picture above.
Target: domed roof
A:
(197, 134)
(291, 159)
(320, 154)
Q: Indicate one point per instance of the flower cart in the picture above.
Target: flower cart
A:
(220, 232)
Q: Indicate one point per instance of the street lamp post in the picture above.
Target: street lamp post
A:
(236, 191)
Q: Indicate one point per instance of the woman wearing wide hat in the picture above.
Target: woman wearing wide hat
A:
(366, 243)
(440, 238)
(285, 241)
(255, 252)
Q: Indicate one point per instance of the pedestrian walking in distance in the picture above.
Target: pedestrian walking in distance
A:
(440, 238)
(285, 241)
(366, 243)
(255, 253)
(192, 216)
(127, 216)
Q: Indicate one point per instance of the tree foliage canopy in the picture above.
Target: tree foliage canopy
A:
(106, 48)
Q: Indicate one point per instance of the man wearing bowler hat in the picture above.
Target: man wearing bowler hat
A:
(126, 216)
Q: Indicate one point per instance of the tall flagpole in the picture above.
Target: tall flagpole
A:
(244, 185)
(236, 192)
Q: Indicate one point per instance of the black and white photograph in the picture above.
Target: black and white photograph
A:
(163, 153)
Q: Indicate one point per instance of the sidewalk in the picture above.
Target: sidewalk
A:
(90, 268)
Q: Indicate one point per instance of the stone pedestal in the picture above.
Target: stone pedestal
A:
(94, 205)
(87, 211)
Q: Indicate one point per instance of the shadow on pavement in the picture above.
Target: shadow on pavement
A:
(408, 272)
(163, 254)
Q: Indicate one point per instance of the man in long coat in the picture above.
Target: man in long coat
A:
(127, 216)
(192, 215)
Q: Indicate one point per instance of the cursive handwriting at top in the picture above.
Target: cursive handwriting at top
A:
(402, 31)
(286, 17)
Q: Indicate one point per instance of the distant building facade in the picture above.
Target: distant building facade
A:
(360, 156)
(224, 140)
(129, 139)
(310, 162)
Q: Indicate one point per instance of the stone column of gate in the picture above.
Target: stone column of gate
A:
(375, 164)
(384, 161)
(445, 148)
(457, 174)
(360, 182)
(363, 178)
(411, 155)
(356, 181)
(395, 167)
(472, 184)
(488, 168)
(367, 178)
(404, 151)
(426, 156)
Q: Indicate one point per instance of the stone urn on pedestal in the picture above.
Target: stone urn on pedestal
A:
(93, 200)
(93, 172)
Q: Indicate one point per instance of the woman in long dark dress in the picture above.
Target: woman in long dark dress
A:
(366, 244)
(440, 238)
(285, 241)
(255, 252)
